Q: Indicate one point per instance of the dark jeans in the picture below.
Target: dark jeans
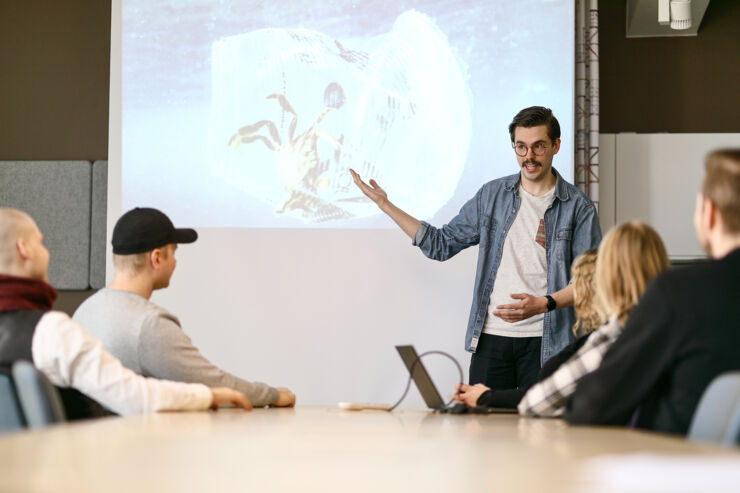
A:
(505, 362)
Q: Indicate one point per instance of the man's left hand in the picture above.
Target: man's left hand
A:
(527, 307)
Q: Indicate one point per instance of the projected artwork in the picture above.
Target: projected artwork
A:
(249, 113)
(294, 109)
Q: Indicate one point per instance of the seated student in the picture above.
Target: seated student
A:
(146, 337)
(630, 255)
(686, 329)
(588, 318)
(63, 351)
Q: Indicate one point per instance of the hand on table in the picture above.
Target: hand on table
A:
(468, 394)
(286, 398)
(222, 395)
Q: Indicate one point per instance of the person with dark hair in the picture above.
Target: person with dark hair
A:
(529, 227)
(534, 116)
(685, 330)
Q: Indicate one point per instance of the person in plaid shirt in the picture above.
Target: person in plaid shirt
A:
(630, 255)
(547, 397)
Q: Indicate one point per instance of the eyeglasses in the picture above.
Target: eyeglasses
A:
(538, 149)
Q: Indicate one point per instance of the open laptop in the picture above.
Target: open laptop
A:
(428, 390)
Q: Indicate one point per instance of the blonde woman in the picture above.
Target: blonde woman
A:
(588, 318)
(630, 255)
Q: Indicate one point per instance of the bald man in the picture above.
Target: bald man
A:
(61, 349)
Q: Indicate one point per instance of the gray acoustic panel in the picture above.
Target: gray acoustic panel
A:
(98, 223)
(57, 195)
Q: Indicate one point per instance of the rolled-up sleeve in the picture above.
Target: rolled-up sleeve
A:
(460, 233)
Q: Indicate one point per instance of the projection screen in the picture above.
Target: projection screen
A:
(242, 118)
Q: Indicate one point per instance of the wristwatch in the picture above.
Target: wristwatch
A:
(551, 304)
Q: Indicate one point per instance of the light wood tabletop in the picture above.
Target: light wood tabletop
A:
(327, 449)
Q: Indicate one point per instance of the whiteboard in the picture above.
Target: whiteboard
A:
(657, 177)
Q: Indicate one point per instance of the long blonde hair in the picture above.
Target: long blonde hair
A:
(588, 315)
(629, 256)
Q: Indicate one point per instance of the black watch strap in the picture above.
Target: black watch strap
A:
(551, 303)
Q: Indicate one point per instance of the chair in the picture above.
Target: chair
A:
(38, 398)
(717, 417)
(11, 415)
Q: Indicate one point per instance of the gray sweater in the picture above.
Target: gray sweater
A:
(149, 340)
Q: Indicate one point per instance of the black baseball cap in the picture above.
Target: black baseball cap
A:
(143, 229)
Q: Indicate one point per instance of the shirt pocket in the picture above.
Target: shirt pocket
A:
(488, 230)
(563, 240)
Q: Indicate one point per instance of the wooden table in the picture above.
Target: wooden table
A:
(321, 449)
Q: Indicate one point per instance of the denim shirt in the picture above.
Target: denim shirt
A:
(571, 228)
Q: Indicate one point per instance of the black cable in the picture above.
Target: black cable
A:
(411, 373)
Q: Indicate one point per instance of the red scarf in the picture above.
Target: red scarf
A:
(24, 293)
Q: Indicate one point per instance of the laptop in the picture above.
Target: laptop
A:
(429, 391)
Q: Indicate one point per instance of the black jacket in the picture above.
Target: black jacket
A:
(16, 335)
(683, 333)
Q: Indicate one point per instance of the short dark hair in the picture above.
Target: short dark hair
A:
(534, 116)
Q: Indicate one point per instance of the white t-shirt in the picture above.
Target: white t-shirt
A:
(523, 267)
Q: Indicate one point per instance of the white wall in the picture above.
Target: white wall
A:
(655, 178)
(343, 311)
(607, 181)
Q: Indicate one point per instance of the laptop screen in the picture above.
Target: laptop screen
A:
(421, 378)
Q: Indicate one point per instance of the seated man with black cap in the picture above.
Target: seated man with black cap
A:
(58, 347)
(146, 337)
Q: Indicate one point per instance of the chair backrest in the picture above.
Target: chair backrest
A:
(11, 415)
(717, 417)
(38, 398)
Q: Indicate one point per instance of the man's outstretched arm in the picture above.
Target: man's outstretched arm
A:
(407, 223)
(439, 244)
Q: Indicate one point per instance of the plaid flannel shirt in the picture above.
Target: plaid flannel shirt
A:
(547, 398)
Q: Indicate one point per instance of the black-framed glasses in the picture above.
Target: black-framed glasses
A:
(538, 149)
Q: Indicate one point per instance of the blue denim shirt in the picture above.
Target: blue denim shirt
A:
(571, 227)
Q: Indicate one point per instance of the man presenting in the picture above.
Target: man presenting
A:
(529, 228)
(144, 336)
(58, 347)
(685, 330)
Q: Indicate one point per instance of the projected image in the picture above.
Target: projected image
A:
(393, 107)
(250, 113)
